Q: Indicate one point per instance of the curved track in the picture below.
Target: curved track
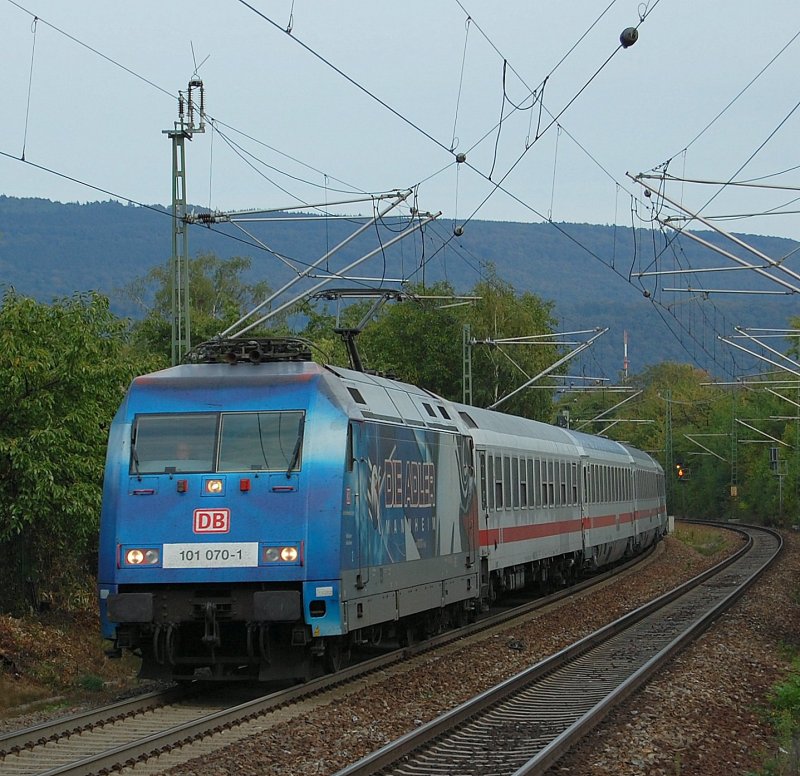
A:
(135, 730)
(524, 725)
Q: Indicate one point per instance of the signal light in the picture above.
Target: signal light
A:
(183, 486)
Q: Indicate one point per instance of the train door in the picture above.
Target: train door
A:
(635, 499)
(471, 498)
(633, 506)
(359, 466)
(585, 499)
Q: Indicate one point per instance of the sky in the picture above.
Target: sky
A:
(311, 102)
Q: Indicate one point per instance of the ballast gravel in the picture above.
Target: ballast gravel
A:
(706, 714)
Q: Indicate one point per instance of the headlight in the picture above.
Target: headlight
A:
(214, 487)
(142, 557)
(285, 554)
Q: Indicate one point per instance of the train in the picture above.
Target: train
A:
(264, 514)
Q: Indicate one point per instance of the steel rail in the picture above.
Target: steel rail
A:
(24, 752)
(526, 723)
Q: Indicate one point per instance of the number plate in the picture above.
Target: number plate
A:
(210, 556)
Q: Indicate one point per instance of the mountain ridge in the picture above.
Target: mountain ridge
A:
(590, 272)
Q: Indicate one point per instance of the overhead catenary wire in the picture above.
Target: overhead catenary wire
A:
(740, 93)
(116, 63)
(571, 237)
(30, 87)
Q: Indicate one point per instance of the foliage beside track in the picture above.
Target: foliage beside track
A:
(55, 659)
(703, 539)
(721, 437)
(64, 368)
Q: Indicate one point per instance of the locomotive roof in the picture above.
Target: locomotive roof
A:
(375, 397)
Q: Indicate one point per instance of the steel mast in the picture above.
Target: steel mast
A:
(189, 103)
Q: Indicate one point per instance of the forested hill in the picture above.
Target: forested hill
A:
(50, 249)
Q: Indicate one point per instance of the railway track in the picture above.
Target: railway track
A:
(525, 724)
(140, 729)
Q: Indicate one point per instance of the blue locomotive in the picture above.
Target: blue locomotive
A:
(263, 514)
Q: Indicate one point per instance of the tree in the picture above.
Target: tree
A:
(218, 298)
(498, 370)
(64, 368)
(417, 341)
(421, 342)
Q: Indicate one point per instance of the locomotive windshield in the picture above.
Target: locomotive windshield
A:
(222, 442)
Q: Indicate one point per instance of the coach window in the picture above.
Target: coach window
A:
(543, 481)
(554, 491)
(482, 467)
(490, 482)
(529, 500)
(563, 481)
(523, 482)
(556, 487)
(574, 467)
(507, 481)
(498, 482)
(551, 486)
(515, 481)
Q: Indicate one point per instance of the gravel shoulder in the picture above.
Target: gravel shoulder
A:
(704, 715)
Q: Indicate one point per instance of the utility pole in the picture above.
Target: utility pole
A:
(189, 103)
(668, 449)
(466, 371)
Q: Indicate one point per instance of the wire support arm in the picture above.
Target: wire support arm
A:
(422, 222)
(399, 199)
(549, 369)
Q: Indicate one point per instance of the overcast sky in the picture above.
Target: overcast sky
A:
(372, 96)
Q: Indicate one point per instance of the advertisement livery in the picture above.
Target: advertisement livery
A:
(418, 497)
(263, 514)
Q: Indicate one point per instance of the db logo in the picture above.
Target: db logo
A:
(212, 520)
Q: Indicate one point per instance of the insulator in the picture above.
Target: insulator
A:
(461, 158)
(629, 36)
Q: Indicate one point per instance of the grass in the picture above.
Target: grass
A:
(55, 660)
(784, 711)
(706, 540)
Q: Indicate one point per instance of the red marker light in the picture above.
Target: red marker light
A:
(183, 486)
(244, 484)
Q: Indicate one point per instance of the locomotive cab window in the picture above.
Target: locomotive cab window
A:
(247, 441)
(173, 443)
(260, 441)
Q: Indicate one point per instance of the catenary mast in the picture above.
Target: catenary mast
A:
(191, 104)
